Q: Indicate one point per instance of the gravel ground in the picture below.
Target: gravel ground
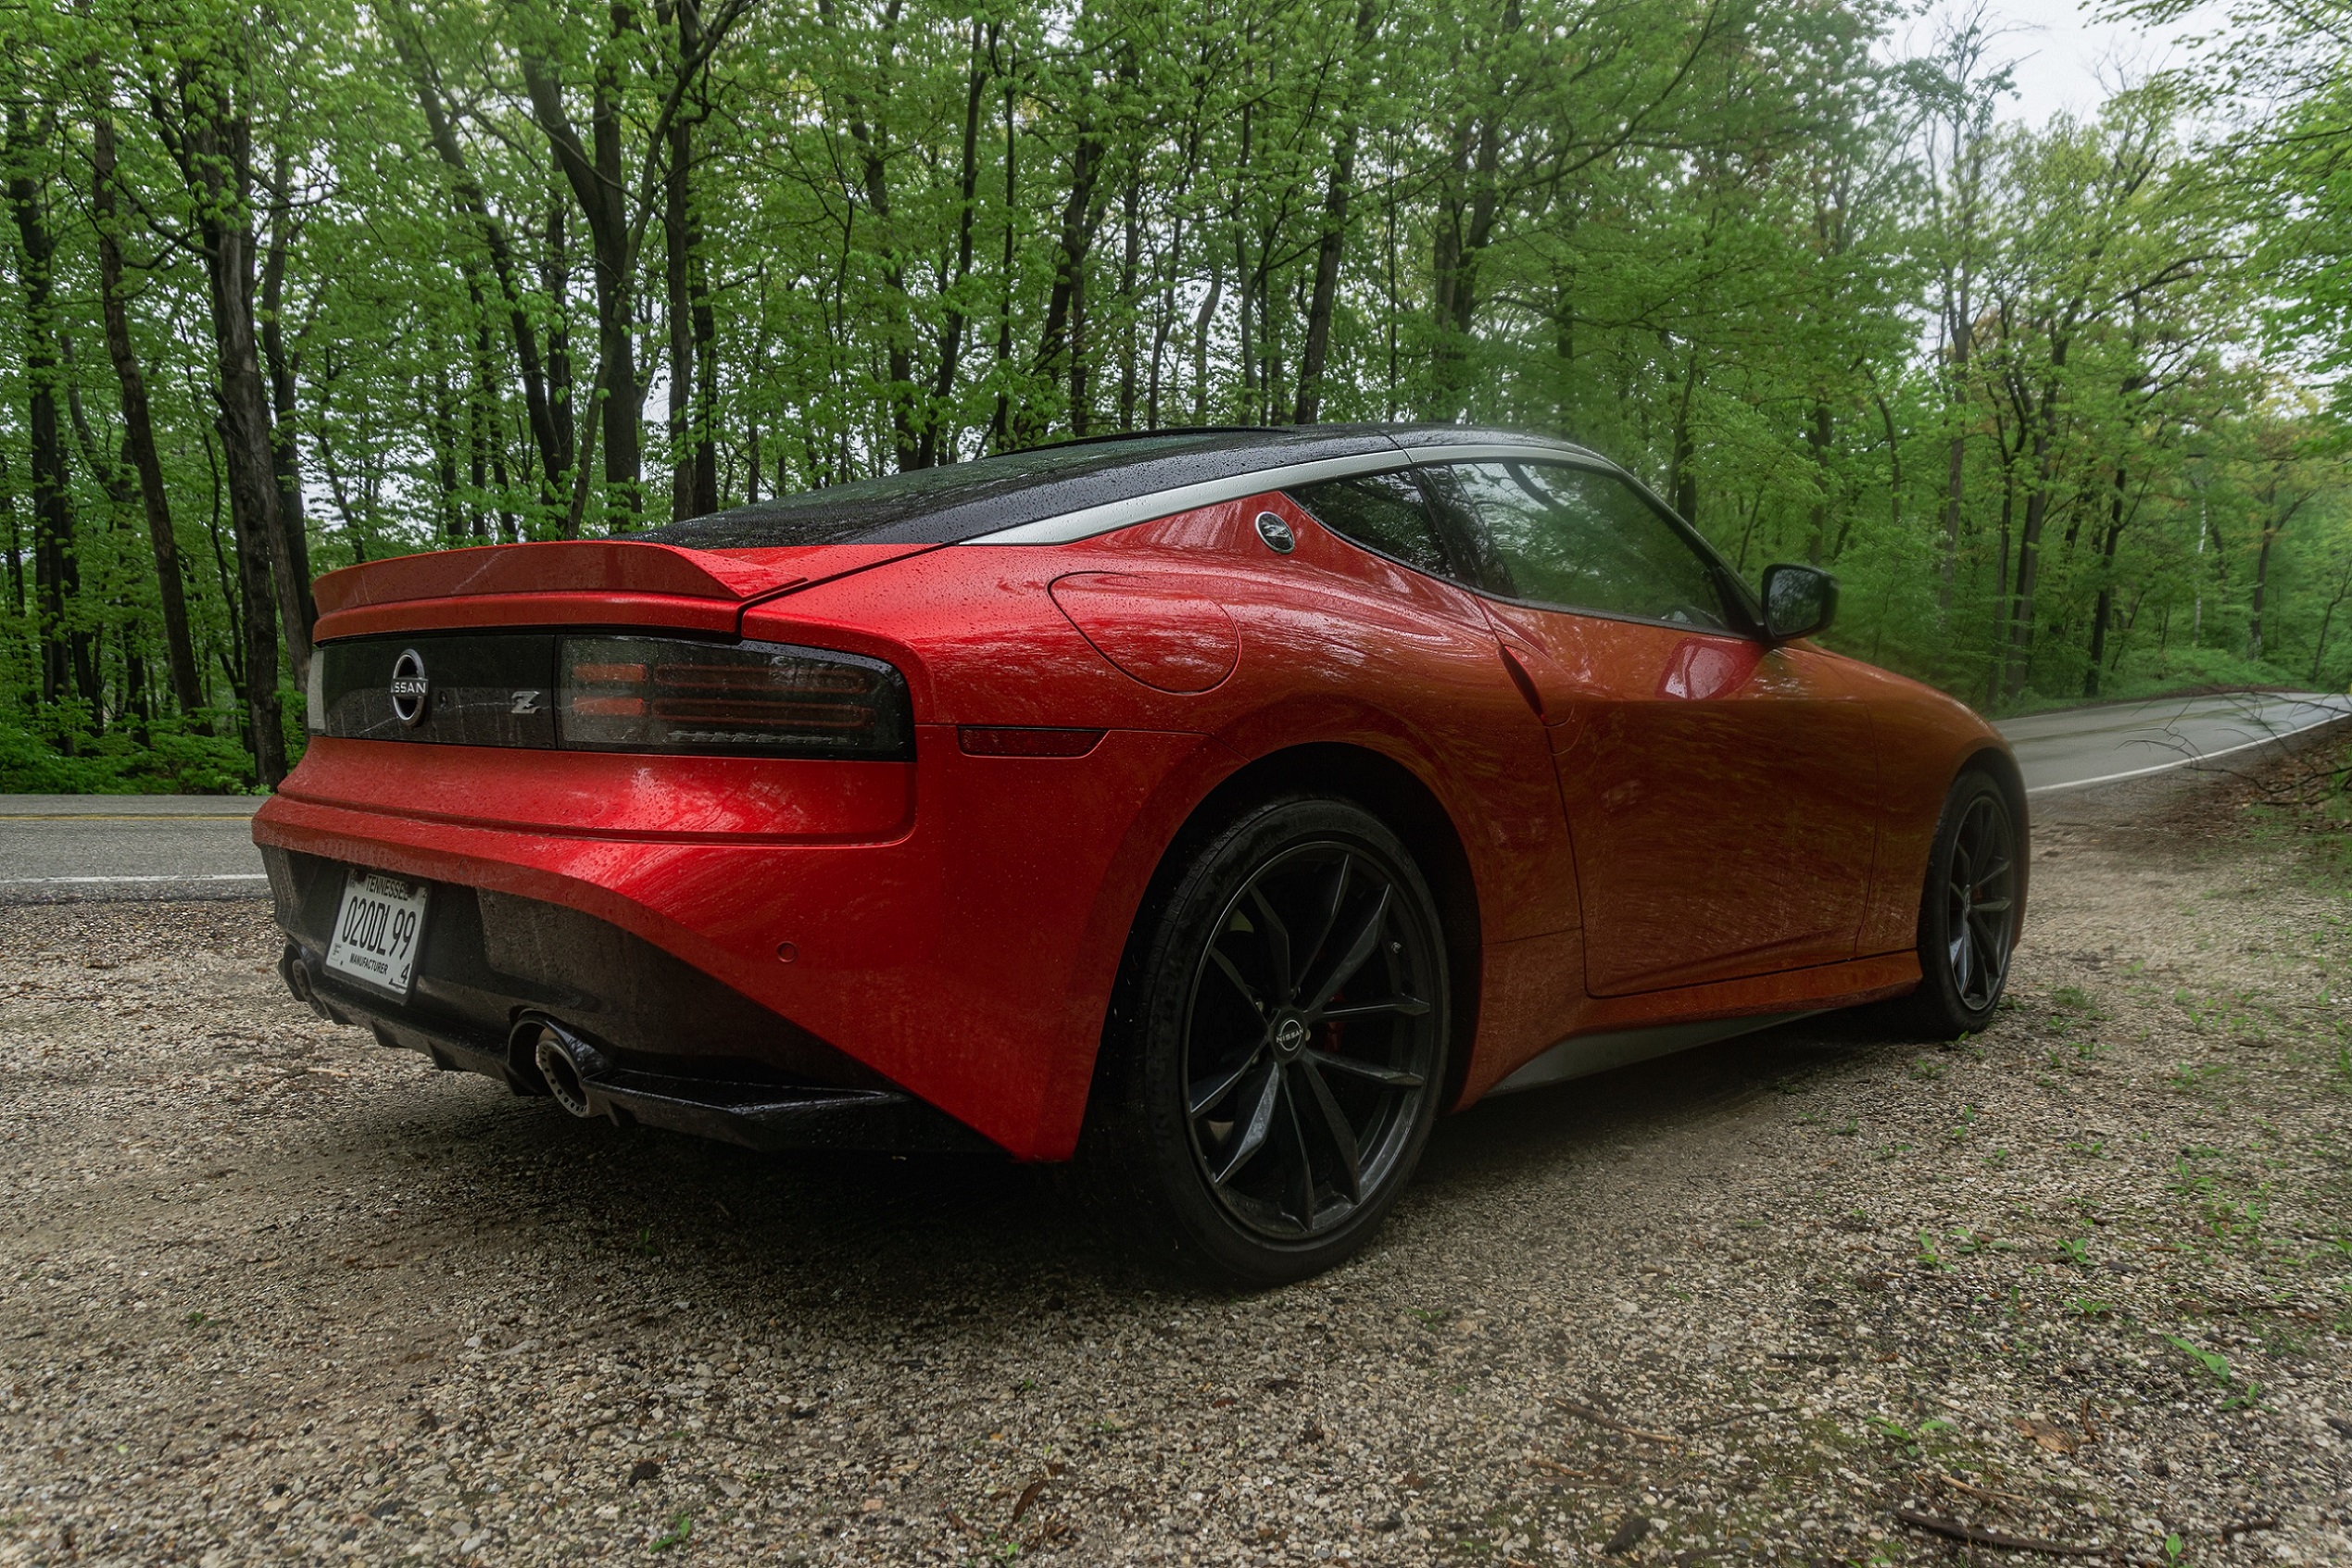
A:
(273, 1293)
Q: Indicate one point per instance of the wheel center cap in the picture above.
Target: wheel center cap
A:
(1290, 1037)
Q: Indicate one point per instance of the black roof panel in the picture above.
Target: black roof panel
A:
(960, 501)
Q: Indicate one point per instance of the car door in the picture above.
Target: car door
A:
(1719, 791)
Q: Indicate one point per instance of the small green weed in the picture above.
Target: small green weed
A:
(2187, 1180)
(2188, 1077)
(680, 1532)
(2213, 1362)
(1911, 1439)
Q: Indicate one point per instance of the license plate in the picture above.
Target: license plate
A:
(377, 930)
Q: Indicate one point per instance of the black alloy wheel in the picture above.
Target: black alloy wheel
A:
(1290, 1052)
(1968, 910)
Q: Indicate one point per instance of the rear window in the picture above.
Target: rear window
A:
(936, 506)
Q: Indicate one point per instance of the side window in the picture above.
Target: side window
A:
(1579, 539)
(1380, 512)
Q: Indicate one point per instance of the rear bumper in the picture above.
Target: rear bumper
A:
(742, 929)
(762, 1116)
(683, 1051)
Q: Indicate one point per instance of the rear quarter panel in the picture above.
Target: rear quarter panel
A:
(1336, 646)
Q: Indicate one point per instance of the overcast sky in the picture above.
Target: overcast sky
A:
(2068, 60)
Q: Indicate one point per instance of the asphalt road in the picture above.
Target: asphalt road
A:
(2081, 748)
(56, 847)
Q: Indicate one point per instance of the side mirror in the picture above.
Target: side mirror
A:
(1798, 601)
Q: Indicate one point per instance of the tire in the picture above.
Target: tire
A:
(1967, 913)
(1277, 1053)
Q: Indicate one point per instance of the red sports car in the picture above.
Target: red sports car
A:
(1219, 804)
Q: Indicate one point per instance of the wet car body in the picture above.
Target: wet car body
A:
(1638, 832)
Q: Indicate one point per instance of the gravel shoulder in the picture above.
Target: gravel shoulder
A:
(275, 1294)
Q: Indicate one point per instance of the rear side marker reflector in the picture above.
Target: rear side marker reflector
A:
(1001, 740)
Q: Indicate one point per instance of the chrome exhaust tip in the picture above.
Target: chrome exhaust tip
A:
(565, 1062)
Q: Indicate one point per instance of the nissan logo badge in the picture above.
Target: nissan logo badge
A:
(1276, 534)
(409, 688)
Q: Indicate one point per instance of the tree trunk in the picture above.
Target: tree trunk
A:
(1337, 192)
(554, 443)
(441, 426)
(69, 664)
(215, 151)
(1817, 439)
(694, 481)
(931, 449)
(294, 544)
(1076, 240)
(1207, 313)
(1464, 230)
(138, 422)
(2037, 505)
(2327, 617)
(2104, 607)
(1682, 479)
(2261, 591)
(595, 179)
(1006, 419)
(1131, 262)
(874, 176)
(677, 255)
(1956, 466)
(555, 281)
(16, 542)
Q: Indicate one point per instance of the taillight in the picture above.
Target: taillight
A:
(765, 699)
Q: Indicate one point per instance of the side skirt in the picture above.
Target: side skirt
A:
(1582, 1055)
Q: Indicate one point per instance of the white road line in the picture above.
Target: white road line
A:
(53, 881)
(126, 816)
(2183, 762)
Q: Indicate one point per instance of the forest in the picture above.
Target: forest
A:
(305, 283)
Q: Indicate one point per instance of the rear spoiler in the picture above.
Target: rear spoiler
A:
(576, 581)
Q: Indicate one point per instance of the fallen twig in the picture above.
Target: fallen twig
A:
(2247, 1526)
(1952, 1529)
(1586, 1412)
